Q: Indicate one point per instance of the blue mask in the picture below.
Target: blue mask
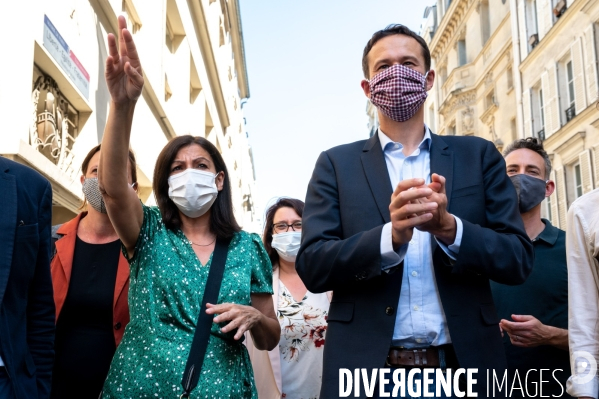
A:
(530, 190)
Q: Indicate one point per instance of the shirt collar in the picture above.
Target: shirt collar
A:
(425, 143)
(549, 233)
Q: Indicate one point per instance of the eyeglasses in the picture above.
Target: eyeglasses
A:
(284, 227)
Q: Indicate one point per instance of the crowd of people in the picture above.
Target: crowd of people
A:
(412, 250)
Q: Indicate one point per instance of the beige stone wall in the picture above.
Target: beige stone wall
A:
(474, 97)
(196, 79)
(570, 117)
(518, 84)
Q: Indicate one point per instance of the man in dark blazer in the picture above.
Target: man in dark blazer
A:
(26, 301)
(406, 229)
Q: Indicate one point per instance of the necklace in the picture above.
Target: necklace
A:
(202, 245)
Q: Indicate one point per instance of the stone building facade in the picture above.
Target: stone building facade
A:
(54, 100)
(521, 68)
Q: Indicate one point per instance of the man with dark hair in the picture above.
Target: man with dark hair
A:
(406, 229)
(26, 301)
(534, 315)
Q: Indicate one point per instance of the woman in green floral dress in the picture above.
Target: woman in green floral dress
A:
(169, 249)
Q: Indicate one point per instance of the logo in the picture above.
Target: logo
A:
(585, 367)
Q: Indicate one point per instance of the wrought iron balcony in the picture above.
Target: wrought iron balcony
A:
(560, 8)
(570, 113)
(541, 134)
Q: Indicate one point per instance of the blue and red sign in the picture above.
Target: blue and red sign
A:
(64, 56)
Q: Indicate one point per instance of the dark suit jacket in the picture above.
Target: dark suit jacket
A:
(26, 301)
(347, 205)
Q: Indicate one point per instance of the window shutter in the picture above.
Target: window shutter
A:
(577, 70)
(554, 208)
(544, 19)
(585, 171)
(553, 114)
(562, 203)
(527, 114)
(545, 83)
(522, 28)
(590, 51)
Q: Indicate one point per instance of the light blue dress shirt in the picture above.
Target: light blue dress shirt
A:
(420, 320)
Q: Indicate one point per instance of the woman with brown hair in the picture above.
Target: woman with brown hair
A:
(293, 369)
(90, 277)
(169, 249)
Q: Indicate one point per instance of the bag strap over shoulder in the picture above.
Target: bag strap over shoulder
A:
(201, 337)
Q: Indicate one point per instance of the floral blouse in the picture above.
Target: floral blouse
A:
(303, 329)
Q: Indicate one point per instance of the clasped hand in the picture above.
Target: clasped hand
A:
(240, 317)
(416, 205)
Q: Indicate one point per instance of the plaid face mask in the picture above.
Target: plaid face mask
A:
(398, 92)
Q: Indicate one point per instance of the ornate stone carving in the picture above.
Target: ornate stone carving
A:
(50, 124)
(467, 120)
(459, 100)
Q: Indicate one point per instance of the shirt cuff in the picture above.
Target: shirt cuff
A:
(579, 390)
(454, 249)
(389, 257)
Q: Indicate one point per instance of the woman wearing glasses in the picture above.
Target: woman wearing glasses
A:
(293, 369)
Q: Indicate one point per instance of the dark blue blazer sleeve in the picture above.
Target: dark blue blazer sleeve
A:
(498, 249)
(40, 308)
(326, 262)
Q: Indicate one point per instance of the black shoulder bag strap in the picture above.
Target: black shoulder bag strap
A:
(201, 337)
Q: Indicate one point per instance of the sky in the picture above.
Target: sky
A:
(304, 61)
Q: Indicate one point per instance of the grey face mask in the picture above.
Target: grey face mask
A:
(91, 190)
(530, 190)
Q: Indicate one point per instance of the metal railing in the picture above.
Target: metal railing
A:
(570, 113)
(541, 134)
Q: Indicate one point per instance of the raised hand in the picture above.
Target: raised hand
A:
(124, 76)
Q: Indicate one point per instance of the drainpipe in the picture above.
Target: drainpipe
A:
(516, 67)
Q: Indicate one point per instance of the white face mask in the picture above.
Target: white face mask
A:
(193, 191)
(287, 244)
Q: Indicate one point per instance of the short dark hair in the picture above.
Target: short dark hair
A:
(222, 218)
(90, 155)
(296, 205)
(395, 29)
(530, 143)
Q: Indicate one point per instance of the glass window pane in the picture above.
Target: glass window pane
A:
(578, 181)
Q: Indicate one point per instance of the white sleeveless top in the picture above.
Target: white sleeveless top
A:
(303, 329)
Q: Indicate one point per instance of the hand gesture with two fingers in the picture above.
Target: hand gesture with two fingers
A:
(124, 76)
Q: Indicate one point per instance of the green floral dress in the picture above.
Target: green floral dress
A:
(165, 296)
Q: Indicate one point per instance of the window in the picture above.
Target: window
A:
(510, 78)
(532, 26)
(513, 128)
(577, 181)
(443, 75)
(490, 99)
(462, 56)
(541, 110)
(451, 130)
(431, 117)
(538, 109)
(485, 21)
(548, 209)
(570, 111)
